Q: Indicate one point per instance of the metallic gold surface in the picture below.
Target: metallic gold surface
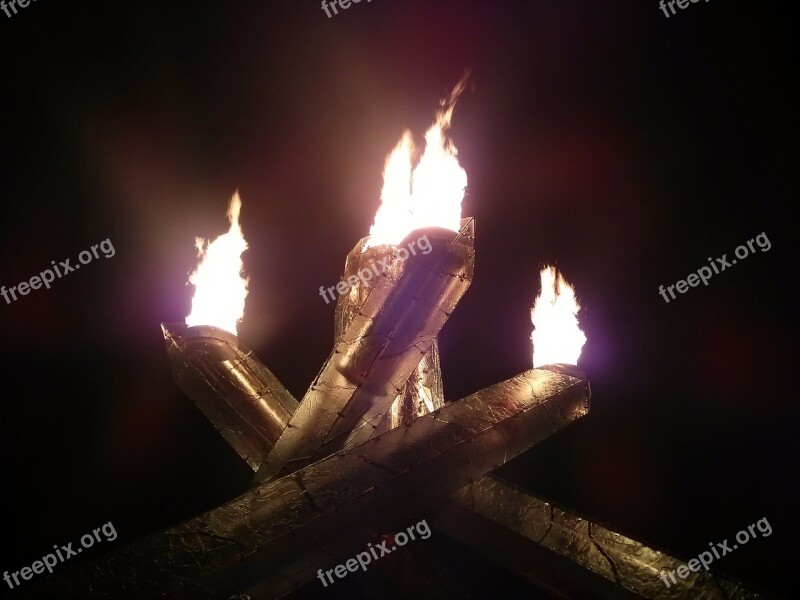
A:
(423, 391)
(277, 535)
(395, 325)
(236, 392)
(626, 562)
(421, 394)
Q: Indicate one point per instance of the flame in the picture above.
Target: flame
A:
(428, 195)
(220, 288)
(556, 336)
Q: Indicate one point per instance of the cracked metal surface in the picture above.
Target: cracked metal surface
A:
(611, 555)
(423, 391)
(278, 534)
(421, 395)
(236, 392)
(384, 340)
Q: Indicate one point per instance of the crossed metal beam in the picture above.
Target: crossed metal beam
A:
(371, 447)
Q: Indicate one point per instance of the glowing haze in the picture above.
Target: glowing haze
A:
(220, 287)
(556, 336)
(428, 195)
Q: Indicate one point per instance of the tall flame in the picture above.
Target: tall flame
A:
(556, 336)
(428, 195)
(220, 288)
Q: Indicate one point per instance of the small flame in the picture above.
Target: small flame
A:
(556, 336)
(428, 195)
(220, 288)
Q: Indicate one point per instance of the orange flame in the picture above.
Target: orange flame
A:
(428, 195)
(220, 288)
(556, 336)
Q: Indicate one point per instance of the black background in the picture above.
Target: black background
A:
(623, 145)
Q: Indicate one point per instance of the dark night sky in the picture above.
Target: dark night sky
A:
(623, 145)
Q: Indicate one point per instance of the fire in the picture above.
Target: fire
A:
(428, 195)
(220, 288)
(556, 336)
